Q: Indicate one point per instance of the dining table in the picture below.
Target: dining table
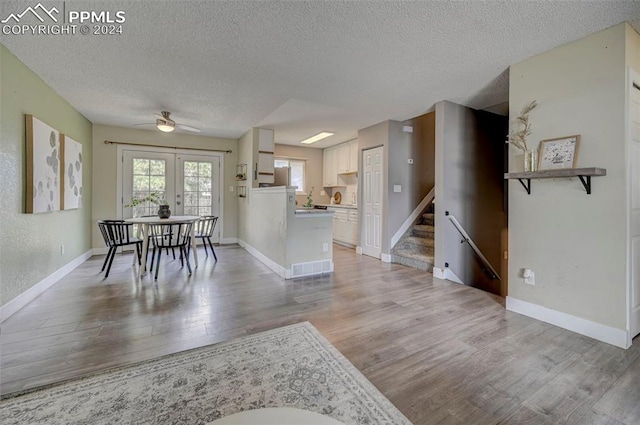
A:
(145, 222)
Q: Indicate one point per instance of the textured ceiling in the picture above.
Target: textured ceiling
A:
(300, 67)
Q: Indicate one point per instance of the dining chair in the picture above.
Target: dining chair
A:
(172, 235)
(204, 231)
(117, 233)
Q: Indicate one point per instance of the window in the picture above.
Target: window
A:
(296, 177)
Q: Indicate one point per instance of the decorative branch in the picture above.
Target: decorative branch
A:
(519, 138)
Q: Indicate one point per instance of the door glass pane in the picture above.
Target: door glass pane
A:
(148, 176)
(198, 182)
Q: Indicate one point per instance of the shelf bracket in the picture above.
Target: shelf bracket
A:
(527, 186)
(586, 183)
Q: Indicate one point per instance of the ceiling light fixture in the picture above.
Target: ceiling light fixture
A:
(165, 125)
(317, 137)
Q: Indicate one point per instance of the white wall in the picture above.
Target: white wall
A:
(105, 170)
(574, 242)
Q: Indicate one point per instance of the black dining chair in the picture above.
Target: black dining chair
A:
(117, 233)
(171, 235)
(204, 231)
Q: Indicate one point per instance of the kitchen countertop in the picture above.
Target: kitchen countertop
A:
(350, 206)
(312, 211)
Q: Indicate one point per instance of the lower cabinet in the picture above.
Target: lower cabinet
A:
(345, 225)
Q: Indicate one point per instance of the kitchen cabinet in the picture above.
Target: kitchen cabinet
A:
(353, 156)
(343, 158)
(345, 225)
(330, 167)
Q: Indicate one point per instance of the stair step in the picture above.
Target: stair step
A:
(418, 240)
(429, 218)
(423, 230)
(413, 259)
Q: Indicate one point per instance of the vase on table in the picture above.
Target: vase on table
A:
(164, 211)
(531, 160)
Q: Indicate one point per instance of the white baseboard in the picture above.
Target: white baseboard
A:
(228, 241)
(447, 275)
(386, 258)
(30, 294)
(413, 217)
(277, 268)
(604, 333)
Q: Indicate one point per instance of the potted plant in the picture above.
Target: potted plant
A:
(153, 198)
(309, 203)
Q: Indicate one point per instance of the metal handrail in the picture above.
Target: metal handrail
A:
(466, 238)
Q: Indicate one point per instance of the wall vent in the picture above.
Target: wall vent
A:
(311, 268)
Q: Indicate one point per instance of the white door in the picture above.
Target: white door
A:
(197, 187)
(372, 201)
(634, 163)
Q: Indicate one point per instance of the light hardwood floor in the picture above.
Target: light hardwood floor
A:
(441, 352)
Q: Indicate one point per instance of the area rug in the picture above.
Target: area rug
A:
(293, 366)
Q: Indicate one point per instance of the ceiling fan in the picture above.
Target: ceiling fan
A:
(166, 124)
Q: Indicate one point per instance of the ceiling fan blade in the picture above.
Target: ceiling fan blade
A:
(188, 128)
(146, 123)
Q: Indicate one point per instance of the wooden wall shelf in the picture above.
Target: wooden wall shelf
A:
(584, 174)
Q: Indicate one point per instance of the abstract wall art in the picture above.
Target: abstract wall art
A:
(43, 167)
(71, 173)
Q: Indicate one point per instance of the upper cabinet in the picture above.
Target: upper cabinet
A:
(340, 159)
(353, 156)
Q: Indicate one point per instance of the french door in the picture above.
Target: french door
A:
(190, 183)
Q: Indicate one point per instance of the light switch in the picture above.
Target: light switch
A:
(397, 188)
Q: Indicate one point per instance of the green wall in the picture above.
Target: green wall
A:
(30, 243)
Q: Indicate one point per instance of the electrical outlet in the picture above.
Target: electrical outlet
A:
(325, 247)
(529, 277)
(230, 188)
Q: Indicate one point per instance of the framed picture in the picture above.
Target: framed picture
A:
(43, 186)
(561, 152)
(71, 197)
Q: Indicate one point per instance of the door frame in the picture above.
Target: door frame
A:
(633, 76)
(119, 175)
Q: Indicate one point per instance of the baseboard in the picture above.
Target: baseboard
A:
(446, 274)
(413, 217)
(385, 258)
(30, 294)
(228, 241)
(359, 250)
(277, 268)
(594, 330)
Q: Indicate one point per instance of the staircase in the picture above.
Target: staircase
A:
(415, 248)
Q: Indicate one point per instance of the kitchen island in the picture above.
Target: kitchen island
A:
(291, 241)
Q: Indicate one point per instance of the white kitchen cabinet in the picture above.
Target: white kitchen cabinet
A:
(353, 229)
(343, 157)
(330, 167)
(353, 156)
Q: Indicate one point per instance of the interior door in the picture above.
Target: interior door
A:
(198, 187)
(372, 197)
(634, 163)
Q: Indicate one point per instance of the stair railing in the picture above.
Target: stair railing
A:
(466, 238)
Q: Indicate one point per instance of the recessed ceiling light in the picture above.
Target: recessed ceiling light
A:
(317, 137)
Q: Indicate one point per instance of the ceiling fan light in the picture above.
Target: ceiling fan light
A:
(164, 126)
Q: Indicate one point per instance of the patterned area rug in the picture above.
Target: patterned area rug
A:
(293, 366)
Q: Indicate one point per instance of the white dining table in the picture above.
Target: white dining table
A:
(144, 223)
